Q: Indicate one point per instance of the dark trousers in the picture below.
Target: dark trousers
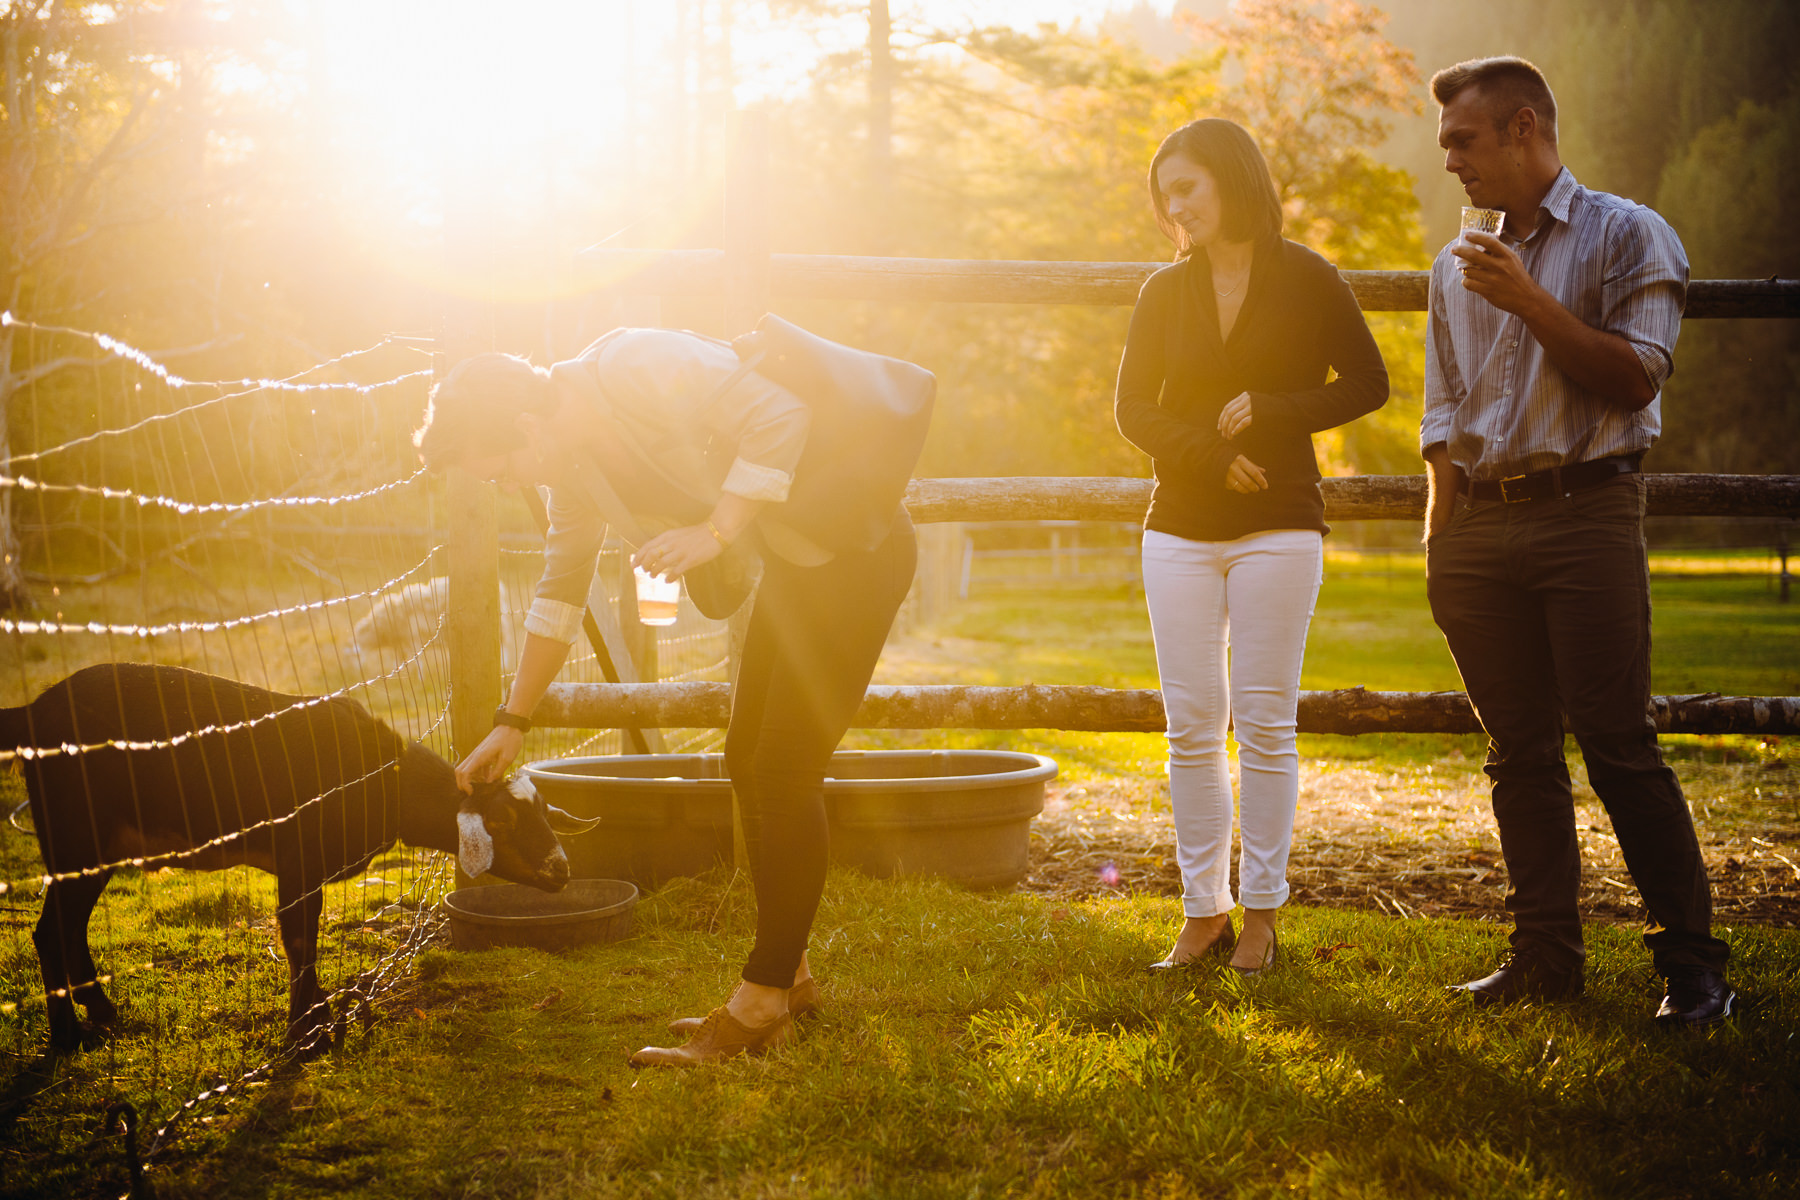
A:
(1546, 606)
(815, 634)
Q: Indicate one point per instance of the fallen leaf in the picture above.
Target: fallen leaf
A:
(1327, 953)
(555, 995)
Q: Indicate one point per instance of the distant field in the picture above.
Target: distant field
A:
(1373, 628)
(1719, 624)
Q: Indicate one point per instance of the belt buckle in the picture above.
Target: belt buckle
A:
(1506, 492)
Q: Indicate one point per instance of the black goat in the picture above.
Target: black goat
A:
(162, 766)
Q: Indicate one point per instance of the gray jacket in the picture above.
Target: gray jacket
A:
(663, 392)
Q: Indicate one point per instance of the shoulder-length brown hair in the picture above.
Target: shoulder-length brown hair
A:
(1252, 210)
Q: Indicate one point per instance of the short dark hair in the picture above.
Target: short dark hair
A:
(1251, 209)
(1506, 83)
(475, 409)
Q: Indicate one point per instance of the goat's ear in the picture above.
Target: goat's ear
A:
(474, 847)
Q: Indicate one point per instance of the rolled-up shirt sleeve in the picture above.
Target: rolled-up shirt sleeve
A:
(769, 425)
(1645, 289)
(1443, 382)
(571, 550)
(753, 481)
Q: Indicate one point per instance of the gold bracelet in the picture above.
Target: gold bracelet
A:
(719, 537)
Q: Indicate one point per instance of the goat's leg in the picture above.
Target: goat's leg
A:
(88, 991)
(70, 976)
(309, 1012)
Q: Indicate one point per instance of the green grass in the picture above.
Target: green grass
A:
(972, 1045)
(193, 961)
(1008, 1045)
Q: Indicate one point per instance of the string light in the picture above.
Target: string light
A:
(192, 507)
(100, 629)
(31, 753)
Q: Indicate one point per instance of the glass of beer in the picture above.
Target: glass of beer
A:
(657, 598)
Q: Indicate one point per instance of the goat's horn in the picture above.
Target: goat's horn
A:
(567, 824)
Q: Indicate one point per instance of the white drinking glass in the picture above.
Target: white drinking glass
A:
(658, 599)
(1481, 220)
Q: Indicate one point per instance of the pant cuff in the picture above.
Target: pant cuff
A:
(1207, 906)
(1264, 899)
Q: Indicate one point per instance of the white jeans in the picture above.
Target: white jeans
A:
(1252, 598)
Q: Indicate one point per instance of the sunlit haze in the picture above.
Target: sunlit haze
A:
(417, 83)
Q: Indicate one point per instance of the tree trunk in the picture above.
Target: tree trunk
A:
(14, 596)
(881, 126)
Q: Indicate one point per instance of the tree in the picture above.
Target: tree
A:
(113, 215)
(1734, 401)
(1012, 144)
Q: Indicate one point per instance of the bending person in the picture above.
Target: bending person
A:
(1223, 382)
(636, 420)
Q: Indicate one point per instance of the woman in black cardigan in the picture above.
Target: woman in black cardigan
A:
(1226, 376)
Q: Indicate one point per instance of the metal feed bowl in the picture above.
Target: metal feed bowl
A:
(961, 814)
(510, 914)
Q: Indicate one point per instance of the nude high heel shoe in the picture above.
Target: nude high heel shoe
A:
(1225, 943)
(1268, 962)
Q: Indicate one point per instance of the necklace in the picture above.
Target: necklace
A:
(1234, 287)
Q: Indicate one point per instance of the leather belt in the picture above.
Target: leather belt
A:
(1557, 481)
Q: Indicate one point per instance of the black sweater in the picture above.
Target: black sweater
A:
(1298, 320)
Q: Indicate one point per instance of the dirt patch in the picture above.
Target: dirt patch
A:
(1420, 841)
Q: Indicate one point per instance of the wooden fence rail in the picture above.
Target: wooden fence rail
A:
(978, 281)
(1098, 709)
(1357, 498)
(749, 279)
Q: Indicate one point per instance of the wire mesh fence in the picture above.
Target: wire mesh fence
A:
(269, 531)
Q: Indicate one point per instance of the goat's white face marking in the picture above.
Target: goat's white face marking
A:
(474, 846)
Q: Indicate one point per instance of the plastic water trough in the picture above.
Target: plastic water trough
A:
(964, 815)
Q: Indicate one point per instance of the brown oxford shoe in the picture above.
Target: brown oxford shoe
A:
(1696, 997)
(720, 1036)
(802, 999)
(1523, 977)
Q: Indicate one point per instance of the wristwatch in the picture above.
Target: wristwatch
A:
(511, 720)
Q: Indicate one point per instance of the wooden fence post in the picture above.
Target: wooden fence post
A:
(472, 538)
(746, 300)
(746, 261)
(1781, 548)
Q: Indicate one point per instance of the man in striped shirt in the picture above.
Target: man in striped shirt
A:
(1546, 350)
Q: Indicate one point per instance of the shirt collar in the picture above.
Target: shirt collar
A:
(1558, 200)
(1561, 195)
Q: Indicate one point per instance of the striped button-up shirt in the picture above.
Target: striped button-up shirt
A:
(1494, 398)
